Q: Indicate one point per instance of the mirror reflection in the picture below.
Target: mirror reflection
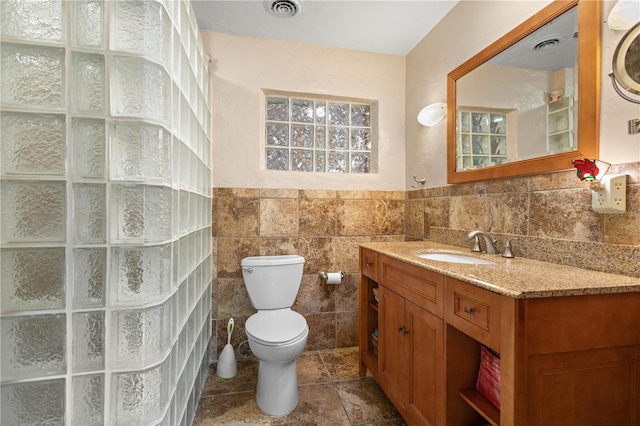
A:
(522, 103)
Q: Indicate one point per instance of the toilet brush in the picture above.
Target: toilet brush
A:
(227, 367)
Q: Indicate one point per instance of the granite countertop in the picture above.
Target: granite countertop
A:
(519, 278)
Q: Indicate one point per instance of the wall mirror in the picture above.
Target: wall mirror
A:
(626, 65)
(529, 102)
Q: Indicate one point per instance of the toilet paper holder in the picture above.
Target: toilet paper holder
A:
(324, 276)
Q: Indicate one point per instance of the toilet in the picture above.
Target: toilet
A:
(276, 334)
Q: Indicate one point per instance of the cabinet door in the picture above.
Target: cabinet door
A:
(392, 349)
(426, 347)
(592, 387)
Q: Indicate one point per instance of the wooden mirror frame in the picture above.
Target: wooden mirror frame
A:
(588, 94)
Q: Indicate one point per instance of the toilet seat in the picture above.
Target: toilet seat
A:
(276, 327)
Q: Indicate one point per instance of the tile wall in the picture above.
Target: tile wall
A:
(324, 226)
(549, 215)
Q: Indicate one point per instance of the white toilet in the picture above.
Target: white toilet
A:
(276, 334)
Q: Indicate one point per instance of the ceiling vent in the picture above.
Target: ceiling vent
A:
(548, 42)
(283, 8)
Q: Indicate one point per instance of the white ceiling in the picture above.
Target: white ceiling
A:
(380, 26)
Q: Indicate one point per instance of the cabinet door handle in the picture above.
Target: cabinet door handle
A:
(369, 263)
(469, 311)
(403, 330)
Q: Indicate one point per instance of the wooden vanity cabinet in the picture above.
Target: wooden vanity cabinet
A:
(410, 362)
(476, 317)
(564, 360)
(581, 357)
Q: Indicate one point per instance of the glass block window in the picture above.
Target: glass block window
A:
(481, 139)
(314, 135)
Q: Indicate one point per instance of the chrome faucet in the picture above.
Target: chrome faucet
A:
(490, 248)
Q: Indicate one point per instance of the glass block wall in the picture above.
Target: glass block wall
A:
(105, 202)
(317, 135)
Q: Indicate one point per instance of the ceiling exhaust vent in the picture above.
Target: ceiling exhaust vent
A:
(549, 42)
(546, 44)
(283, 8)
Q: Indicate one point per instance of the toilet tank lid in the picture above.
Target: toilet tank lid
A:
(290, 259)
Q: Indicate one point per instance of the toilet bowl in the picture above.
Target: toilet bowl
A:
(277, 341)
(276, 334)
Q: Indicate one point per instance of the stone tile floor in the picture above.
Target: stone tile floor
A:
(331, 393)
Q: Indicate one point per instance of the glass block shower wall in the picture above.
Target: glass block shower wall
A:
(105, 297)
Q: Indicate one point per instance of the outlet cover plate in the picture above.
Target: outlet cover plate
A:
(612, 198)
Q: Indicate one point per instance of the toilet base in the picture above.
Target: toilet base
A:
(277, 390)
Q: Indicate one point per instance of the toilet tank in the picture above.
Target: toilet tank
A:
(272, 281)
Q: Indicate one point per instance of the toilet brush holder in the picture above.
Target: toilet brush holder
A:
(227, 366)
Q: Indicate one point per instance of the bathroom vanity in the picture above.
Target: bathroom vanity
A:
(568, 338)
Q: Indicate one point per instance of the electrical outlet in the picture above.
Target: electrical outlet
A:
(612, 197)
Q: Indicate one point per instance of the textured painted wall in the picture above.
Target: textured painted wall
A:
(446, 47)
(245, 66)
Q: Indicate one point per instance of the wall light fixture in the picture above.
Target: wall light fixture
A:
(432, 114)
(624, 14)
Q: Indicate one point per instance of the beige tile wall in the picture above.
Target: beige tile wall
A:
(550, 216)
(325, 227)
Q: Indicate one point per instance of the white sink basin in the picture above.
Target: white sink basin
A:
(455, 258)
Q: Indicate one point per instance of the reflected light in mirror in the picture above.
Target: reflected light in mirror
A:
(432, 114)
(624, 15)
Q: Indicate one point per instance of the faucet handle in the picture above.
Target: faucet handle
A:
(476, 245)
(507, 249)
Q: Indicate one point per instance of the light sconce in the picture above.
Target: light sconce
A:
(624, 15)
(432, 114)
(609, 192)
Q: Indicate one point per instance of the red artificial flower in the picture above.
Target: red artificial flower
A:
(587, 169)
